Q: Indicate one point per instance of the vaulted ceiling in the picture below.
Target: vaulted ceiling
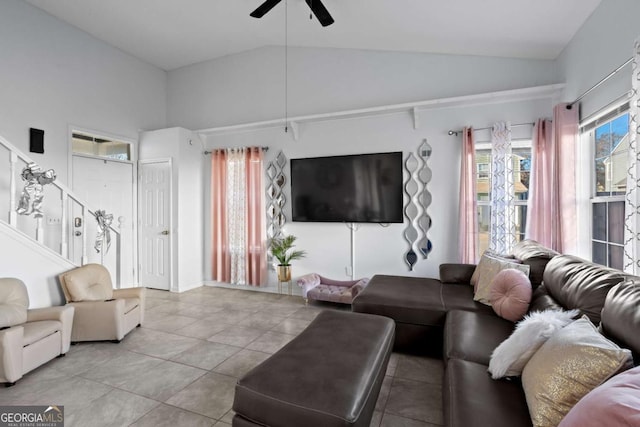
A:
(174, 33)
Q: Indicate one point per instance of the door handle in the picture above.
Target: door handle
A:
(165, 233)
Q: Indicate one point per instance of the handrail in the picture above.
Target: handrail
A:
(67, 196)
(62, 187)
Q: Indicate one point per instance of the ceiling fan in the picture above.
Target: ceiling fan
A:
(318, 9)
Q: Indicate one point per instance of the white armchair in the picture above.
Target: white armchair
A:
(29, 338)
(101, 313)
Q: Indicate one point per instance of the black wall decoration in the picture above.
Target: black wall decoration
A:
(36, 140)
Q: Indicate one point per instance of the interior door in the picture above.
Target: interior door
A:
(154, 224)
(108, 185)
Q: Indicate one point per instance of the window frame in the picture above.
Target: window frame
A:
(515, 144)
(588, 133)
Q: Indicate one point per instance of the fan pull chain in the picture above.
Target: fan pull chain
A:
(286, 66)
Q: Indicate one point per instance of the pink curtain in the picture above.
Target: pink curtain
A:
(220, 257)
(251, 259)
(551, 214)
(256, 261)
(468, 221)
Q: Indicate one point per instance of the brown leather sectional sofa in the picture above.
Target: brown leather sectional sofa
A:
(440, 317)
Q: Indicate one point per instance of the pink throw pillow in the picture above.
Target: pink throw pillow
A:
(510, 294)
(613, 403)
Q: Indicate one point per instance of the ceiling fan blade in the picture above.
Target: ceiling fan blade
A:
(321, 12)
(264, 8)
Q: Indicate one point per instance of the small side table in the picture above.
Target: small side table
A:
(288, 282)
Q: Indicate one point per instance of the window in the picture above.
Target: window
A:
(521, 155)
(92, 145)
(609, 139)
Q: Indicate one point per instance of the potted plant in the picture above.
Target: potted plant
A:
(282, 249)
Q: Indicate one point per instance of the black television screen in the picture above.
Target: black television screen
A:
(357, 188)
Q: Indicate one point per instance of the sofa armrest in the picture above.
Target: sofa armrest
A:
(11, 354)
(63, 314)
(359, 287)
(456, 273)
(100, 320)
(308, 282)
(133, 293)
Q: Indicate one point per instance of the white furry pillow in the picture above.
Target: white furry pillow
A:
(510, 357)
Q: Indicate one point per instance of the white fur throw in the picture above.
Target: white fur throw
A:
(510, 357)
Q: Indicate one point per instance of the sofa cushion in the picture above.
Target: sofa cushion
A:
(14, 302)
(536, 256)
(472, 399)
(35, 331)
(460, 297)
(489, 268)
(92, 282)
(510, 294)
(576, 283)
(621, 316)
(473, 336)
(614, 403)
(541, 300)
(494, 255)
(574, 361)
(511, 356)
(404, 299)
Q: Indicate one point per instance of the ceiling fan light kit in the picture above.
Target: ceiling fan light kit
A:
(321, 13)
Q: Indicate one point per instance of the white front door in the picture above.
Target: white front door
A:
(107, 185)
(154, 224)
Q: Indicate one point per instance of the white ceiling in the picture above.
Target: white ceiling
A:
(175, 33)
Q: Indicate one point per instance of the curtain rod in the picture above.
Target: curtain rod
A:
(595, 86)
(264, 148)
(456, 132)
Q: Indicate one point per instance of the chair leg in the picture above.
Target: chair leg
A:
(62, 355)
(306, 301)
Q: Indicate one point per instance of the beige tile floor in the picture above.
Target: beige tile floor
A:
(181, 367)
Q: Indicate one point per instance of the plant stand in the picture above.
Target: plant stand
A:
(289, 284)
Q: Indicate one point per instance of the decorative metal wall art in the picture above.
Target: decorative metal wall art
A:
(410, 210)
(31, 198)
(276, 199)
(417, 203)
(424, 199)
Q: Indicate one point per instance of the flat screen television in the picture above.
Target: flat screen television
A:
(355, 188)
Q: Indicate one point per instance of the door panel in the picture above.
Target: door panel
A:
(155, 225)
(108, 185)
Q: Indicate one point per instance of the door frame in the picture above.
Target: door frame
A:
(134, 198)
(169, 161)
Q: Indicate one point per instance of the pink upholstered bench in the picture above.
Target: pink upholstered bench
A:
(320, 288)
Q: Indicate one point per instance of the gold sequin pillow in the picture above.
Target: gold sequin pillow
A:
(575, 360)
(487, 269)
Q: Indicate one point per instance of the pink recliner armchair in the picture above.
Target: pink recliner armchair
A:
(321, 288)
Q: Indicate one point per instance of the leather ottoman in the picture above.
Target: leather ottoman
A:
(328, 376)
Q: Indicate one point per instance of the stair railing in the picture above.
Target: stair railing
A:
(69, 203)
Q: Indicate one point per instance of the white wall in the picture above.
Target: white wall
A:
(380, 250)
(601, 45)
(249, 86)
(185, 149)
(54, 75)
(37, 268)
